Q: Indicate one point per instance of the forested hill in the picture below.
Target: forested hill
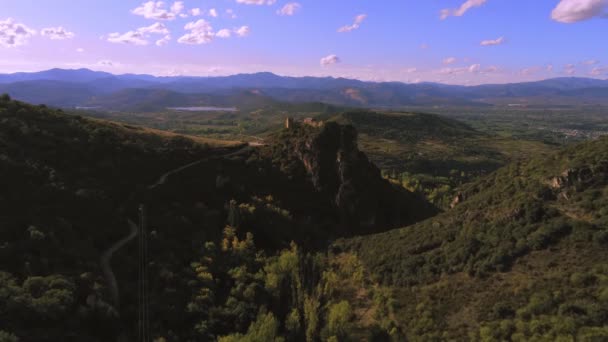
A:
(67, 189)
(242, 239)
(523, 247)
(70, 185)
(407, 127)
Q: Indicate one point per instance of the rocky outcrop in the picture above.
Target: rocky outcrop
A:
(459, 198)
(363, 199)
(581, 176)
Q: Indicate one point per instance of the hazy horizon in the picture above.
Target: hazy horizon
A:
(301, 76)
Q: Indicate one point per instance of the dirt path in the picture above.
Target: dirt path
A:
(107, 268)
(163, 179)
(107, 255)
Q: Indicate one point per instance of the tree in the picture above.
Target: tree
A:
(8, 337)
(264, 329)
(292, 324)
(338, 318)
(311, 318)
(51, 295)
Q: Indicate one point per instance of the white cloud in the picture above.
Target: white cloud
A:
(590, 62)
(598, 71)
(139, 36)
(195, 12)
(467, 5)
(572, 11)
(231, 14)
(201, 32)
(177, 7)
(491, 42)
(213, 13)
(475, 68)
(256, 2)
(163, 41)
(131, 37)
(57, 33)
(289, 9)
(490, 69)
(330, 60)
(451, 71)
(449, 60)
(14, 34)
(156, 10)
(549, 68)
(80, 50)
(243, 31)
(530, 71)
(224, 33)
(156, 28)
(569, 69)
(410, 70)
(356, 24)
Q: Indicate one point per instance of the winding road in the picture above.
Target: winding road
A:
(106, 257)
(107, 268)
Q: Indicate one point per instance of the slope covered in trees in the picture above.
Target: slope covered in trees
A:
(521, 256)
(66, 187)
(71, 184)
(240, 242)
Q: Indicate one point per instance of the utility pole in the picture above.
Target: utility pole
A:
(143, 328)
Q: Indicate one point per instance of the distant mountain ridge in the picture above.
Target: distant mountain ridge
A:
(84, 84)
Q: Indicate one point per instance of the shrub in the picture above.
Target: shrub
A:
(601, 238)
(338, 318)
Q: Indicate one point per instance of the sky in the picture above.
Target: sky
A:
(448, 41)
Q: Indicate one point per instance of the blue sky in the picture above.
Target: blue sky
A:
(449, 41)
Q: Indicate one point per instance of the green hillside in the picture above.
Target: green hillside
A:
(68, 185)
(236, 233)
(521, 257)
(431, 154)
(292, 240)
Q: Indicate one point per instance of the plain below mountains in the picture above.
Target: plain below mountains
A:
(85, 88)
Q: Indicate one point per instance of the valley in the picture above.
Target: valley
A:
(303, 171)
(452, 223)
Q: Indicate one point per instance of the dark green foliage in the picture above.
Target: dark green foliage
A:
(8, 337)
(410, 127)
(520, 221)
(520, 257)
(37, 305)
(572, 312)
(432, 155)
(68, 186)
(503, 217)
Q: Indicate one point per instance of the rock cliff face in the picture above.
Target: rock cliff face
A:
(364, 201)
(581, 176)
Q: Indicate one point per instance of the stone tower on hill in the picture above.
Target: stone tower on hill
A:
(289, 122)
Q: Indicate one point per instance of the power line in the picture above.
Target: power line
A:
(143, 331)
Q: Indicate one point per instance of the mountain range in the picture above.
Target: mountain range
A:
(84, 87)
